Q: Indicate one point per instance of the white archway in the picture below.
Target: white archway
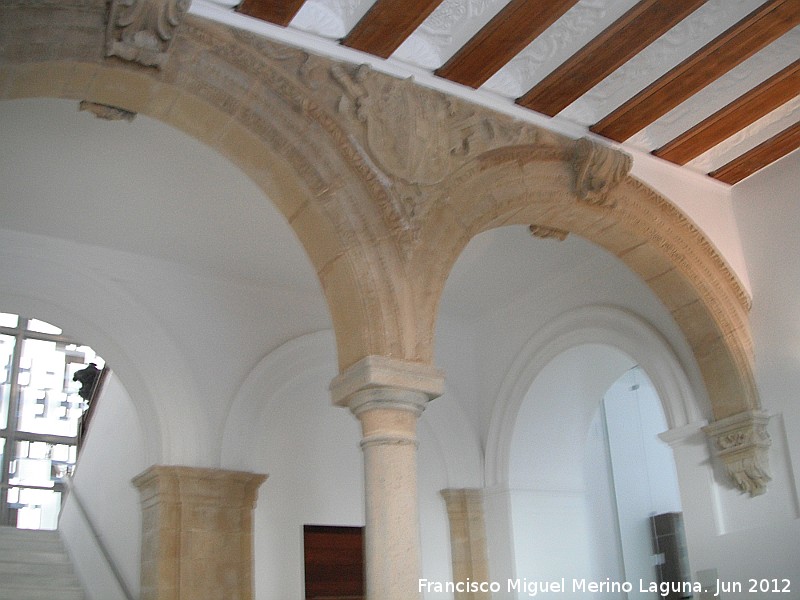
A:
(42, 278)
(589, 325)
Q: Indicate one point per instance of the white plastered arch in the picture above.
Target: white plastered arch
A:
(262, 388)
(588, 325)
(43, 280)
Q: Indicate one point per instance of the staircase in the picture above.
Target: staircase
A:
(34, 566)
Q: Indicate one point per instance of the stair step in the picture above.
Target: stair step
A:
(34, 565)
(9, 592)
(34, 568)
(49, 581)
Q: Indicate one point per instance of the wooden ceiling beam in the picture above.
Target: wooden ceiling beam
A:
(759, 157)
(627, 36)
(279, 12)
(501, 39)
(387, 24)
(761, 100)
(761, 27)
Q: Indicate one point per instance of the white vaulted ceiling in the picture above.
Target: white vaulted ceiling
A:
(641, 73)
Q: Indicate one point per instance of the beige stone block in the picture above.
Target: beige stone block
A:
(697, 326)
(646, 260)
(79, 80)
(268, 170)
(196, 118)
(318, 235)
(614, 236)
(37, 80)
(673, 288)
(349, 319)
(121, 88)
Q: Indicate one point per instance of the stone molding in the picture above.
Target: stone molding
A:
(142, 30)
(742, 443)
(375, 372)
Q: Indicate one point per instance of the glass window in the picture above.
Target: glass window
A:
(41, 403)
(7, 344)
(49, 398)
(42, 327)
(7, 320)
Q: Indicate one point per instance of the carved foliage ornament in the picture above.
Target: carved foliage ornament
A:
(142, 30)
(598, 169)
(742, 443)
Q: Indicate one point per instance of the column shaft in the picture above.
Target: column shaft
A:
(387, 395)
(388, 420)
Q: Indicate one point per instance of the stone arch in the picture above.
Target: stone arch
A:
(383, 223)
(542, 186)
(254, 102)
(587, 325)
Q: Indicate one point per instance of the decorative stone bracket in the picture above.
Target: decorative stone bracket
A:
(598, 169)
(742, 443)
(142, 30)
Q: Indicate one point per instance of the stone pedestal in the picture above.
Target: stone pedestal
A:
(197, 540)
(467, 539)
(388, 396)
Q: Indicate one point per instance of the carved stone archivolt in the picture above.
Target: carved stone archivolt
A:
(142, 30)
(742, 444)
(384, 181)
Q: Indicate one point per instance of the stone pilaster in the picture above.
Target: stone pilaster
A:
(467, 539)
(387, 396)
(742, 443)
(197, 540)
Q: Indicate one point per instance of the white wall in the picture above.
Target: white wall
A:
(550, 500)
(112, 454)
(643, 472)
(744, 537)
(283, 423)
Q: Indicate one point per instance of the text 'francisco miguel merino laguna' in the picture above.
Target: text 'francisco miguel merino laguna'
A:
(575, 586)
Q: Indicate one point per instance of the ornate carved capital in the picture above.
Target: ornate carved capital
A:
(598, 169)
(742, 443)
(142, 30)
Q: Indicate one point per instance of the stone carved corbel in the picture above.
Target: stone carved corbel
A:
(142, 30)
(742, 443)
(598, 169)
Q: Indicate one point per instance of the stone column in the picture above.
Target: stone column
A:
(197, 540)
(387, 396)
(467, 539)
